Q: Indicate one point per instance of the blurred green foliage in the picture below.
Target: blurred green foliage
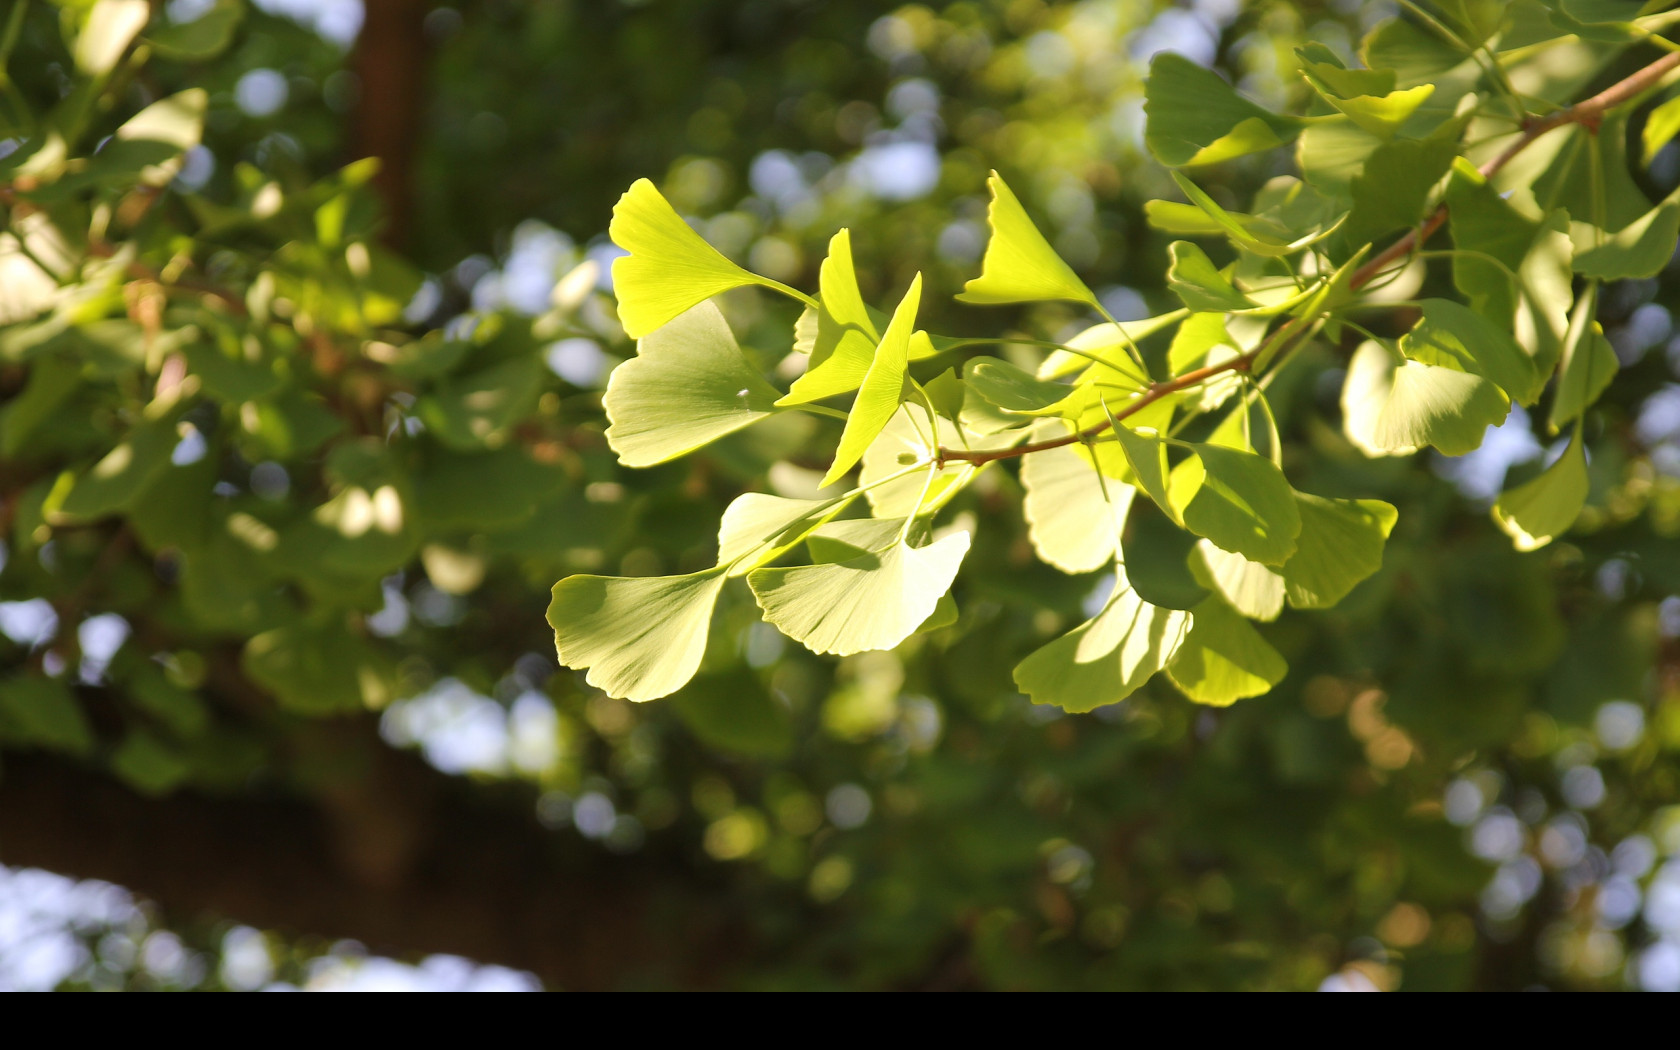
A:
(258, 469)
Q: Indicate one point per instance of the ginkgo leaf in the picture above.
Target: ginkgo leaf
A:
(1393, 186)
(1538, 511)
(1223, 659)
(911, 432)
(640, 637)
(1107, 343)
(1259, 235)
(670, 268)
(1640, 249)
(1588, 364)
(837, 541)
(1454, 336)
(1321, 63)
(883, 386)
(1255, 590)
(846, 335)
(873, 601)
(1380, 115)
(1194, 117)
(1012, 389)
(1073, 518)
(1105, 659)
(1194, 279)
(758, 527)
(1341, 543)
(1146, 455)
(1393, 407)
(1156, 552)
(688, 385)
(1019, 265)
(1200, 341)
(1239, 500)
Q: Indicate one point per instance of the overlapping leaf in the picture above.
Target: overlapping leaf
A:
(872, 601)
(1105, 659)
(688, 385)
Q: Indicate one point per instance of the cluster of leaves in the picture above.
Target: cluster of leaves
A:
(230, 387)
(1172, 406)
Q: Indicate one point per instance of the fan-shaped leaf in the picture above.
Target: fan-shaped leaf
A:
(689, 384)
(1020, 266)
(873, 601)
(1589, 363)
(1237, 499)
(1223, 659)
(1341, 543)
(1538, 511)
(1074, 518)
(1391, 406)
(641, 638)
(1454, 336)
(670, 268)
(1195, 280)
(846, 335)
(1195, 117)
(757, 527)
(1105, 659)
(1253, 589)
(1640, 249)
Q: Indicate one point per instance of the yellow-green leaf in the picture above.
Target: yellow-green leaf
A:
(882, 390)
(670, 268)
(872, 601)
(1105, 659)
(688, 385)
(641, 638)
(1538, 511)
(1020, 266)
(1223, 659)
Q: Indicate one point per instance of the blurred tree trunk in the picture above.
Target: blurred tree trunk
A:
(401, 858)
(390, 61)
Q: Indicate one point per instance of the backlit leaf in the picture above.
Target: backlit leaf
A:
(1392, 406)
(688, 385)
(873, 601)
(1341, 543)
(757, 527)
(670, 268)
(1252, 589)
(1640, 249)
(1589, 363)
(883, 386)
(1073, 518)
(1223, 659)
(641, 637)
(846, 335)
(1538, 511)
(1105, 659)
(1454, 336)
(1237, 499)
(1020, 266)
(1194, 278)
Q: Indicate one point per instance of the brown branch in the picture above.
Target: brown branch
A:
(1588, 113)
